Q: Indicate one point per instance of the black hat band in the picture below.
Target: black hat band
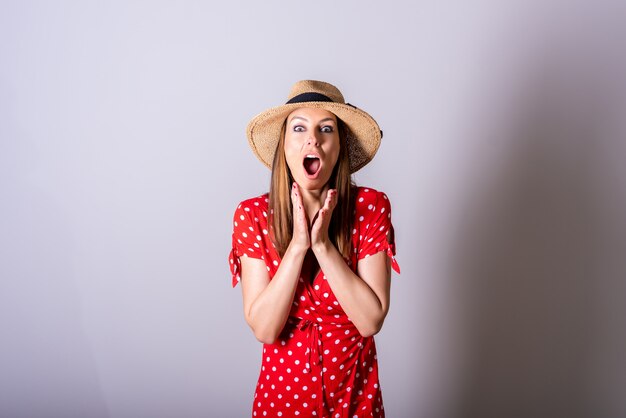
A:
(309, 97)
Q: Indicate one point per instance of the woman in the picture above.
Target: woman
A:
(314, 258)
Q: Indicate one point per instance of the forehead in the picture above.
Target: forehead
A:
(311, 114)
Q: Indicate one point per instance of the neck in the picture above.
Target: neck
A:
(313, 200)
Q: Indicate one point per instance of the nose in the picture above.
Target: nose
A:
(312, 140)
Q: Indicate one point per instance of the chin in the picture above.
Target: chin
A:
(312, 184)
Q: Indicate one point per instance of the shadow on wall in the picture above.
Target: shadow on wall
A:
(537, 266)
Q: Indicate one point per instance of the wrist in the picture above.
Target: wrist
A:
(296, 250)
(322, 248)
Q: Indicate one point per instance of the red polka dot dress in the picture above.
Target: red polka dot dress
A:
(319, 366)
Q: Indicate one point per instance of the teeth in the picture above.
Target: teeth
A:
(311, 156)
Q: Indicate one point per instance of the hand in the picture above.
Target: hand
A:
(319, 229)
(300, 239)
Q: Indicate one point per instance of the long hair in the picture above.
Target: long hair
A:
(281, 214)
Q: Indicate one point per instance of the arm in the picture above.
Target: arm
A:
(363, 296)
(267, 302)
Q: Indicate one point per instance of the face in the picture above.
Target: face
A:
(311, 146)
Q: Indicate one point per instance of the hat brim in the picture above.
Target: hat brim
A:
(363, 138)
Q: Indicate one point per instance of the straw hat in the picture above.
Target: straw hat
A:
(363, 137)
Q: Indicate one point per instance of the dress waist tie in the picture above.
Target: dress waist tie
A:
(314, 359)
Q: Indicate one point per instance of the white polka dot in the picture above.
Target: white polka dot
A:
(244, 234)
(242, 217)
(360, 199)
(361, 218)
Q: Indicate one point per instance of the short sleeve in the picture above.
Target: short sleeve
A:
(246, 240)
(376, 229)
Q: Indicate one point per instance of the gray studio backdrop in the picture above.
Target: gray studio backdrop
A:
(123, 157)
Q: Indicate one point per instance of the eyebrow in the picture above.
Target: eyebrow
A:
(306, 120)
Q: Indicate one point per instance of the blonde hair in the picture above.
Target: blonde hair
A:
(281, 215)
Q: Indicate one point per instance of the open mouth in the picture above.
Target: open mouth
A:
(311, 164)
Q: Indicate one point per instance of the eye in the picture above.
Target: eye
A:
(327, 129)
(298, 128)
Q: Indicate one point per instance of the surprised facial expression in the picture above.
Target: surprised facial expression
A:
(311, 146)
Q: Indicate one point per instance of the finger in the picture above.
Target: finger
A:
(293, 193)
(334, 199)
(299, 197)
(319, 221)
(331, 200)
